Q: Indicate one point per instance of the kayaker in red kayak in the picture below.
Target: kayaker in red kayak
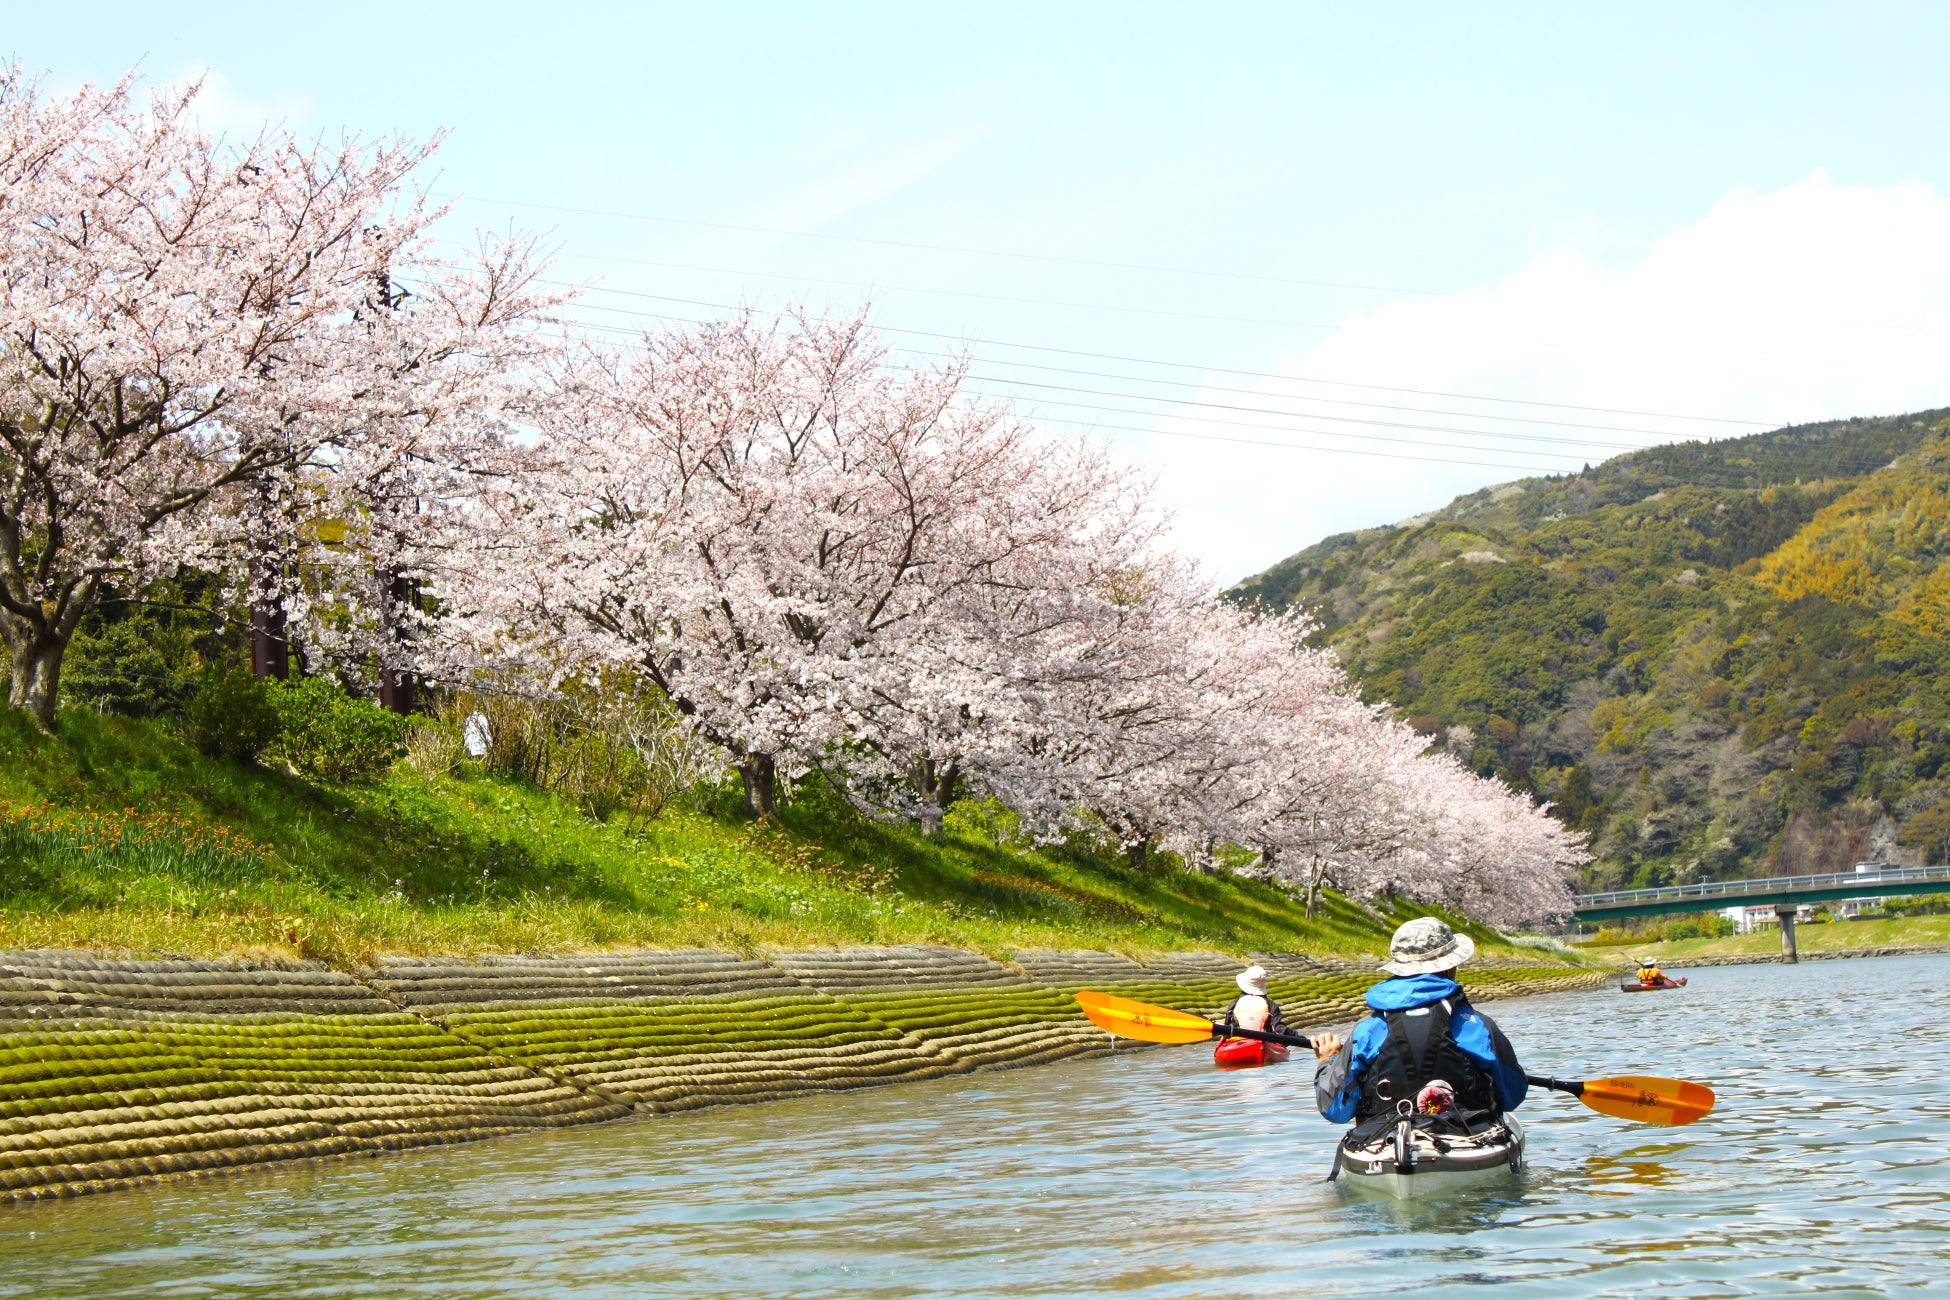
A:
(1649, 973)
(1252, 1009)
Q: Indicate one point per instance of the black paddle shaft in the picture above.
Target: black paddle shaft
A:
(1573, 1086)
(1234, 1031)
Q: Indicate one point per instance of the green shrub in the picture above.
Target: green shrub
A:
(142, 651)
(1917, 905)
(232, 716)
(129, 668)
(1702, 925)
(987, 820)
(606, 746)
(327, 733)
(434, 746)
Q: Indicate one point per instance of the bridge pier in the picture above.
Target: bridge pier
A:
(1784, 912)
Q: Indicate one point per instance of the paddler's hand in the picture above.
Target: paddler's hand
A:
(1326, 1045)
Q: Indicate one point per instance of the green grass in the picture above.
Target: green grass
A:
(114, 834)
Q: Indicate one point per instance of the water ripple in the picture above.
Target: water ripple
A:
(1149, 1174)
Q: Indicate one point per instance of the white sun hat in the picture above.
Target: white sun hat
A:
(1424, 946)
(1252, 980)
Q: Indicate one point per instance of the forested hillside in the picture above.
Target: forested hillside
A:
(1721, 659)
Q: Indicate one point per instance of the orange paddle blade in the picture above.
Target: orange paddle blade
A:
(1142, 1020)
(1648, 1100)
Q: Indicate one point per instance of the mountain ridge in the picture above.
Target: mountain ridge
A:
(1719, 658)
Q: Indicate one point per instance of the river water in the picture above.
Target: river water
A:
(1148, 1174)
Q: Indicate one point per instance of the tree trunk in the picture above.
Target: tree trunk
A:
(36, 684)
(36, 644)
(936, 784)
(270, 646)
(395, 690)
(270, 651)
(760, 780)
(395, 684)
(1315, 870)
(1138, 854)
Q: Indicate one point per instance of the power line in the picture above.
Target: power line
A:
(1324, 433)
(1226, 370)
(1783, 463)
(942, 248)
(1585, 443)
(1332, 401)
(1205, 369)
(1582, 442)
(1256, 392)
(1258, 442)
(1528, 470)
(1340, 419)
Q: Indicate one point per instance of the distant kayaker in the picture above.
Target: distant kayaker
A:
(1252, 1009)
(1649, 973)
(1422, 1031)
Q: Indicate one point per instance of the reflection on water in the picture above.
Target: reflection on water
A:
(1642, 1166)
(1147, 1174)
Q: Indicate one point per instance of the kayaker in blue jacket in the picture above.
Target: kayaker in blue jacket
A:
(1423, 1048)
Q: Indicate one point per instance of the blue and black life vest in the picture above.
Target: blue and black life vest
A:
(1418, 1050)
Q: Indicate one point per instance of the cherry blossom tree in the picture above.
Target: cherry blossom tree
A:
(448, 367)
(825, 561)
(949, 695)
(244, 356)
(742, 514)
(174, 316)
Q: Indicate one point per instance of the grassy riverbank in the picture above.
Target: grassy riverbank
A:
(1834, 936)
(115, 834)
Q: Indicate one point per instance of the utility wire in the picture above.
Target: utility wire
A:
(1225, 370)
(1147, 361)
(1572, 441)
(1813, 462)
(1221, 388)
(1312, 415)
(1656, 434)
(939, 248)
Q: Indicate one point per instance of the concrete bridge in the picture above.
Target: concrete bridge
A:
(1786, 893)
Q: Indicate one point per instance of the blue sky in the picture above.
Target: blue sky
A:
(1737, 211)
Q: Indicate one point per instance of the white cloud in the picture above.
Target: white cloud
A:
(1809, 302)
(852, 170)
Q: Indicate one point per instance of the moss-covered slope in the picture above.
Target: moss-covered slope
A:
(114, 1072)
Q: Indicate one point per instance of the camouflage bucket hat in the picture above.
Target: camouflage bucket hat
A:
(1424, 946)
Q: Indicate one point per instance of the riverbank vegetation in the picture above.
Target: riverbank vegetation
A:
(252, 423)
(1873, 931)
(115, 833)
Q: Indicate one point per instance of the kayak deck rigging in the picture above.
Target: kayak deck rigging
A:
(1407, 1161)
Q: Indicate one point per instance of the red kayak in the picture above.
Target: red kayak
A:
(1636, 987)
(1241, 1053)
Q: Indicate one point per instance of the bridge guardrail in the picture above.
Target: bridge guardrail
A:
(1735, 889)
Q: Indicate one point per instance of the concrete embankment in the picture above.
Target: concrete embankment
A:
(114, 1072)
